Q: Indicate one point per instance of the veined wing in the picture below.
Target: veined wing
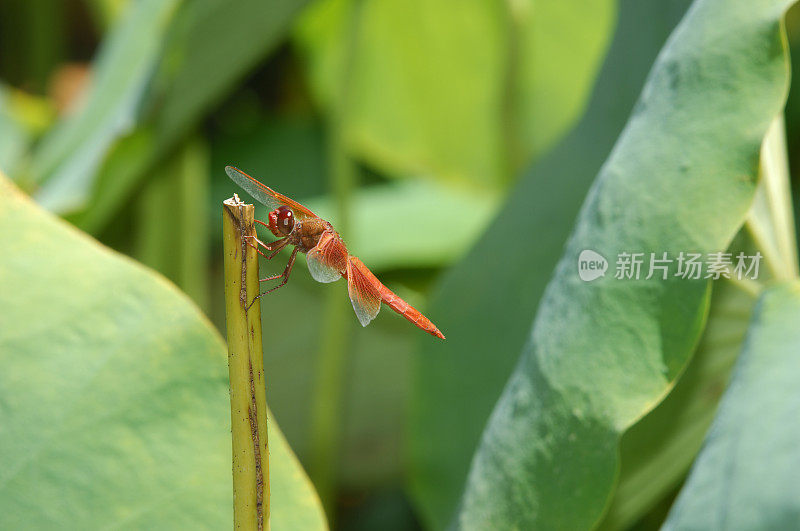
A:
(328, 259)
(363, 288)
(266, 195)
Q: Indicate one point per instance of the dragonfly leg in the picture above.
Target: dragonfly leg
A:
(255, 246)
(281, 244)
(284, 275)
(268, 246)
(278, 248)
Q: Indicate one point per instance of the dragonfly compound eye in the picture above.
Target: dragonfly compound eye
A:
(284, 219)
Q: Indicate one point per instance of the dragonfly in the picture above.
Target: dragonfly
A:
(326, 254)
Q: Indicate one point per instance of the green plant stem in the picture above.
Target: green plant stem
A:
(45, 39)
(771, 221)
(246, 365)
(326, 414)
(193, 187)
(176, 196)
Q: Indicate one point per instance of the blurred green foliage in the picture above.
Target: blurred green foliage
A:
(446, 139)
(506, 78)
(65, 162)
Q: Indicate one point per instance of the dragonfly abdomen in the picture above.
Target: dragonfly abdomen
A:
(409, 312)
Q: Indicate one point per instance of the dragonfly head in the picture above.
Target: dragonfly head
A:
(281, 221)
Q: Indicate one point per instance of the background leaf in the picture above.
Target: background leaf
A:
(184, 70)
(549, 456)
(440, 103)
(114, 408)
(745, 476)
(558, 51)
(69, 156)
(423, 70)
(486, 302)
(177, 197)
(657, 451)
(211, 46)
(389, 222)
(22, 119)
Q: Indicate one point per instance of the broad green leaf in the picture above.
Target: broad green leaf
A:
(746, 475)
(455, 90)
(680, 177)
(114, 393)
(657, 451)
(558, 51)
(487, 302)
(69, 156)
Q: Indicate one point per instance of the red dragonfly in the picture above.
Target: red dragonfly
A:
(327, 256)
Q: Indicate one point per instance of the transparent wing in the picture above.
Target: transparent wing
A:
(328, 259)
(364, 291)
(266, 195)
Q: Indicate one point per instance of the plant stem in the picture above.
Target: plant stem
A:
(326, 409)
(246, 367)
(193, 180)
(770, 221)
(176, 196)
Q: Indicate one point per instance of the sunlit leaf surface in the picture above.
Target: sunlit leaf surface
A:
(114, 407)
